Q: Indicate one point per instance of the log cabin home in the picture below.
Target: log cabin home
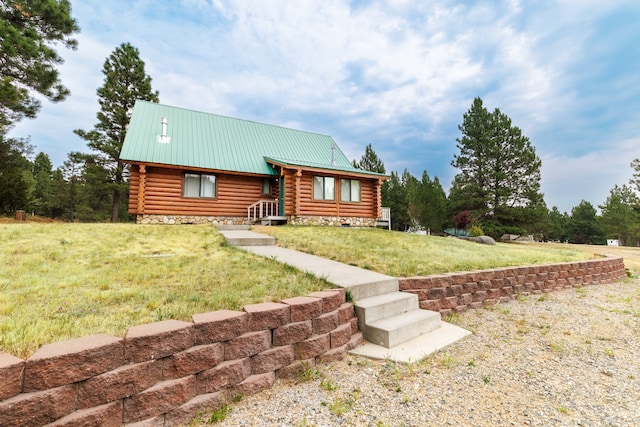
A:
(195, 167)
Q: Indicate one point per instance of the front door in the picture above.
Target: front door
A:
(281, 185)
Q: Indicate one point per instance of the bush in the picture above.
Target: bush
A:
(476, 231)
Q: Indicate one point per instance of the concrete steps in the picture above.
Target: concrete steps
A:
(241, 236)
(391, 321)
(394, 318)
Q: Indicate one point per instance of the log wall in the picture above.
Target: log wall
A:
(164, 187)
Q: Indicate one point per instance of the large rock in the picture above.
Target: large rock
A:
(485, 240)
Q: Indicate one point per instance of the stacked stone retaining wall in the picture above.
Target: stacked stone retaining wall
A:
(456, 292)
(162, 374)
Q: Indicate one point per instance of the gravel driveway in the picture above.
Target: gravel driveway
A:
(567, 358)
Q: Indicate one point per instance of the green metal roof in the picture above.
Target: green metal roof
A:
(201, 140)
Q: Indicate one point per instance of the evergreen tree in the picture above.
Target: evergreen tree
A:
(584, 226)
(557, 225)
(43, 193)
(125, 82)
(370, 161)
(394, 195)
(499, 178)
(635, 179)
(28, 31)
(15, 173)
(619, 218)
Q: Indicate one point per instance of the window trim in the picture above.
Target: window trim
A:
(350, 195)
(324, 188)
(200, 184)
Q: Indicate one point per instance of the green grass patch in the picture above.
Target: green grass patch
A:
(404, 255)
(63, 281)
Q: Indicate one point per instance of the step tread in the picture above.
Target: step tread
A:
(384, 299)
(404, 320)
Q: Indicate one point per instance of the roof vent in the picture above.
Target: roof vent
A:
(333, 153)
(163, 138)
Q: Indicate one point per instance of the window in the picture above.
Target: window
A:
(266, 186)
(349, 190)
(323, 188)
(199, 185)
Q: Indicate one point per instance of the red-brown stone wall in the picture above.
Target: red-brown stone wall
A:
(456, 292)
(163, 373)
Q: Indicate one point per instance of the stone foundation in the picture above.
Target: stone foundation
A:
(330, 221)
(333, 221)
(191, 219)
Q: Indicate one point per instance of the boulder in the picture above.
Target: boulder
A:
(485, 240)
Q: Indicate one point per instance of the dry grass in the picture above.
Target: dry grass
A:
(405, 255)
(61, 281)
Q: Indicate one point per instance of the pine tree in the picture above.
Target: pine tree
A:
(499, 178)
(370, 161)
(28, 30)
(125, 82)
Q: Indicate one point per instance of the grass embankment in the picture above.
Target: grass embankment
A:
(406, 255)
(62, 281)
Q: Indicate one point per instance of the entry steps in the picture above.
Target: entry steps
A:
(391, 321)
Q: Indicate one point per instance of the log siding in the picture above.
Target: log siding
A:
(158, 190)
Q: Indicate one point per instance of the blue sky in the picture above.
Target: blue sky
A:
(397, 74)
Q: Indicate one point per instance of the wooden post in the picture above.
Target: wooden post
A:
(142, 189)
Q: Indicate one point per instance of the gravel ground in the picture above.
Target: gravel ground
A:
(567, 358)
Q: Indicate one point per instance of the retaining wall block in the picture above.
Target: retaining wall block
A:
(454, 290)
(421, 293)
(480, 296)
(340, 335)
(226, 374)
(255, 384)
(437, 293)
(292, 333)
(469, 288)
(355, 341)
(295, 368)
(157, 340)
(219, 326)
(325, 323)
(192, 360)
(109, 415)
(201, 404)
(432, 304)
(331, 299)
(122, 382)
(272, 359)
(150, 422)
(247, 345)
(346, 312)
(267, 315)
(312, 347)
(333, 355)
(159, 399)
(38, 408)
(11, 375)
(304, 308)
(66, 362)
(355, 326)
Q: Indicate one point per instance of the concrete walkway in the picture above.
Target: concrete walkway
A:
(360, 283)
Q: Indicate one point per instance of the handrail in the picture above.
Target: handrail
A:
(261, 209)
(386, 217)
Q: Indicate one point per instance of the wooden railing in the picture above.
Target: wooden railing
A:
(386, 217)
(261, 209)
